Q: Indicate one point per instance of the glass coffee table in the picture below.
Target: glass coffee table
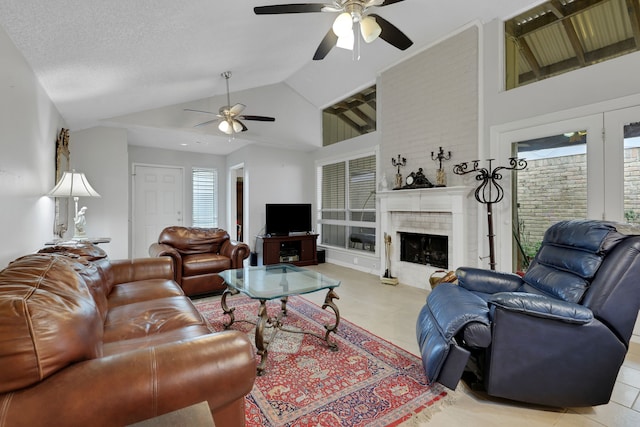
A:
(278, 281)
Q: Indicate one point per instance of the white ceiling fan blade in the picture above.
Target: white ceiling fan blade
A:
(371, 3)
(208, 122)
(237, 109)
(198, 111)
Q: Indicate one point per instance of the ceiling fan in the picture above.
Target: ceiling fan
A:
(354, 14)
(229, 116)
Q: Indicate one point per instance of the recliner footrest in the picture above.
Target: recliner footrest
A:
(438, 323)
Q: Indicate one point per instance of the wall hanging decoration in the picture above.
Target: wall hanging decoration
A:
(441, 177)
(60, 224)
(401, 162)
(489, 191)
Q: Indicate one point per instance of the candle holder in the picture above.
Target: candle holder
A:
(401, 162)
(489, 191)
(441, 177)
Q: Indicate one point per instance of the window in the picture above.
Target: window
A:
(205, 197)
(563, 35)
(351, 117)
(346, 192)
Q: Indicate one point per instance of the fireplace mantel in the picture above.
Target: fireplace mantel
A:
(456, 202)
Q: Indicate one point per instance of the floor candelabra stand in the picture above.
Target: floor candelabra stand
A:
(489, 191)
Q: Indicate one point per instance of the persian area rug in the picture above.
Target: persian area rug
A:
(367, 382)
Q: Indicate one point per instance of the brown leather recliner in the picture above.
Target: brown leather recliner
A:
(199, 254)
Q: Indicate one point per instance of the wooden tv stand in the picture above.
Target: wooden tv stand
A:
(298, 250)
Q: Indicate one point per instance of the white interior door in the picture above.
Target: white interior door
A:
(157, 203)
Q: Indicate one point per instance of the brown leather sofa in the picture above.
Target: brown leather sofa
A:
(199, 254)
(85, 341)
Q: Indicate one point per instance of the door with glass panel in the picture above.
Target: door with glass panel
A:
(563, 180)
(622, 165)
(590, 169)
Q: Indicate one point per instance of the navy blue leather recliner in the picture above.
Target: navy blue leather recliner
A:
(556, 336)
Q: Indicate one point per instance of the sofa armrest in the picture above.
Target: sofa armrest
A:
(487, 281)
(126, 388)
(131, 270)
(541, 306)
(161, 250)
(236, 251)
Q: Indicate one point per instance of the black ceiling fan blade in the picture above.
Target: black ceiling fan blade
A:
(391, 34)
(327, 43)
(257, 118)
(388, 2)
(288, 8)
(244, 128)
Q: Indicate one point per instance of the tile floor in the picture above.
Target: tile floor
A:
(391, 312)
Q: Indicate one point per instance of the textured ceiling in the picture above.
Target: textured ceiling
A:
(116, 62)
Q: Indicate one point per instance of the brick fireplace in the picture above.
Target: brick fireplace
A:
(447, 212)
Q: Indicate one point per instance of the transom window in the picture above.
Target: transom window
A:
(563, 35)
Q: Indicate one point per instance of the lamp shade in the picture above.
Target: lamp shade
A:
(346, 41)
(225, 127)
(370, 29)
(343, 24)
(73, 184)
(230, 126)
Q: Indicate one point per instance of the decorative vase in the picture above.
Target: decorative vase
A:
(441, 178)
(384, 185)
(398, 181)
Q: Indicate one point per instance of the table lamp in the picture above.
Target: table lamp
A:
(75, 184)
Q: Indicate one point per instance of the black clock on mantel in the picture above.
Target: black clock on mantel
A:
(417, 180)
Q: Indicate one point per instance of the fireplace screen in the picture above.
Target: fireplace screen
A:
(427, 249)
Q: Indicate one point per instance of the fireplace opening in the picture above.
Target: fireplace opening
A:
(427, 249)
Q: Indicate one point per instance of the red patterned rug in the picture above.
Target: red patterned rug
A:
(367, 382)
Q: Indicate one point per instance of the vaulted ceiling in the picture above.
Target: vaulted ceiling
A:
(139, 64)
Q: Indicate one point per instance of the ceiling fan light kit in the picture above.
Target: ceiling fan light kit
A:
(342, 32)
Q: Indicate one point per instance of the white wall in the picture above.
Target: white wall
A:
(431, 101)
(101, 153)
(29, 123)
(186, 160)
(273, 176)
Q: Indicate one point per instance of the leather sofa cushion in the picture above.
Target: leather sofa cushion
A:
(87, 251)
(193, 240)
(147, 318)
(49, 319)
(205, 263)
(185, 333)
(143, 290)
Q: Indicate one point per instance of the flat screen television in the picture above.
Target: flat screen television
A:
(283, 219)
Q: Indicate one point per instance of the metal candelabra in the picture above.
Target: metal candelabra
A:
(440, 175)
(489, 191)
(441, 156)
(402, 161)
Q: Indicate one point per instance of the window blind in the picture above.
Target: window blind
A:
(205, 197)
